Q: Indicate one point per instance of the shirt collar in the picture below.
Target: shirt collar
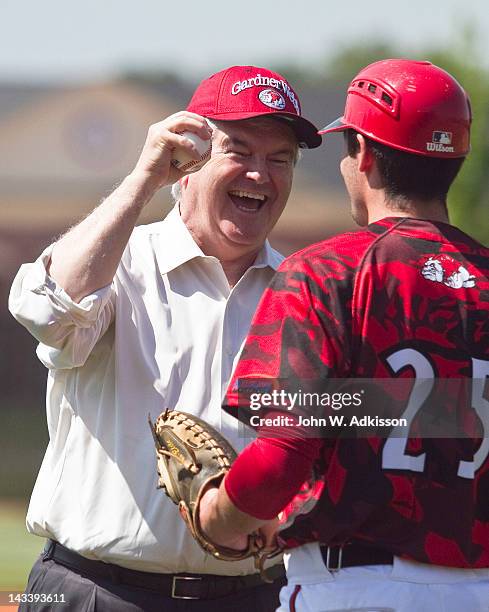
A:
(178, 246)
(268, 257)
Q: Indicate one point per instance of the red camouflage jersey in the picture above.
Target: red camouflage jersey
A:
(400, 296)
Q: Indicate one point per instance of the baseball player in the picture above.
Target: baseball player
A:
(385, 522)
(133, 320)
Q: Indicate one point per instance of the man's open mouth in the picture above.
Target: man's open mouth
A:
(247, 201)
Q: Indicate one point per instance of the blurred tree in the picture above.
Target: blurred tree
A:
(469, 197)
(337, 70)
(348, 61)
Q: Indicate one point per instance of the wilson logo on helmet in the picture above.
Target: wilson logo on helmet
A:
(271, 98)
(441, 142)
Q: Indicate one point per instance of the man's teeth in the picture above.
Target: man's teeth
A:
(247, 194)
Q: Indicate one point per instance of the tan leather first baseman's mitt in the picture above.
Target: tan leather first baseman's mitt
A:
(191, 455)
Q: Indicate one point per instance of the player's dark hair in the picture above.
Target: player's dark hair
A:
(406, 176)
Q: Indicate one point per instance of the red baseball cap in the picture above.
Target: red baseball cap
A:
(243, 92)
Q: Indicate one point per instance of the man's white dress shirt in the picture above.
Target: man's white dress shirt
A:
(166, 333)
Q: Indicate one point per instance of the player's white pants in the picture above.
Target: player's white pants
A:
(405, 586)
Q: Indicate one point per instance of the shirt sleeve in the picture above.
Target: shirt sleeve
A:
(67, 331)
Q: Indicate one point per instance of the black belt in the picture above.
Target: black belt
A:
(353, 555)
(178, 586)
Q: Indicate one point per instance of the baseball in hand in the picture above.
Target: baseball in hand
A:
(182, 160)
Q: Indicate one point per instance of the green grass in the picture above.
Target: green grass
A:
(18, 549)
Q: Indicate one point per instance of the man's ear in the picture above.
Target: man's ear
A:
(365, 156)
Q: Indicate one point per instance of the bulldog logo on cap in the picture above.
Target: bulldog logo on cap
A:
(272, 98)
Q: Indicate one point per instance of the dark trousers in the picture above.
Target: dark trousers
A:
(84, 594)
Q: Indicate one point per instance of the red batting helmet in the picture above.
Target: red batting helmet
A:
(412, 106)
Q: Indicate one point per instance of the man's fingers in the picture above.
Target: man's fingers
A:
(184, 121)
(182, 142)
(163, 139)
(170, 141)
